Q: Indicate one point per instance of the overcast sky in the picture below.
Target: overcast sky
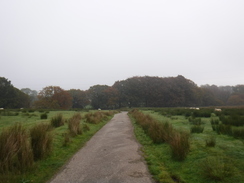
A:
(80, 43)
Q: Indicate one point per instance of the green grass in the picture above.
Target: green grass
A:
(44, 169)
(193, 168)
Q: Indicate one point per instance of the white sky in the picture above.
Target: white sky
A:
(81, 43)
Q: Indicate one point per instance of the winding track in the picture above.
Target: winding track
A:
(112, 155)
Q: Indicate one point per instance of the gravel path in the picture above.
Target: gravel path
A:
(111, 156)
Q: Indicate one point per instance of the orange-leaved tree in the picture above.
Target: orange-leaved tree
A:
(53, 97)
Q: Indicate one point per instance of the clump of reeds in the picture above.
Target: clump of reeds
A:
(161, 132)
(41, 140)
(179, 145)
(195, 121)
(211, 141)
(15, 150)
(57, 120)
(74, 124)
(197, 129)
(97, 117)
(43, 116)
(224, 129)
(85, 127)
(238, 132)
(66, 139)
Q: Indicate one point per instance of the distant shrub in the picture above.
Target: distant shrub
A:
(216, 168)
(15, 150)
(43, 116)
(179, 145)
(57, 120)
(197, 129)
(41, 140)
(211, 141)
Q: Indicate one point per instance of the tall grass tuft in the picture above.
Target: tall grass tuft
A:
(211, 141)
(179, 145)
(85, 128)
(43, 116)
(195, 121)
(41, 140)
(97, 117)
(238, 132)
(161, 132)
(197, 129)
(15, 150)
(57, 120)
(66, 139)
(74, 124)
(224, 129)
(216, 168)
(155, 132)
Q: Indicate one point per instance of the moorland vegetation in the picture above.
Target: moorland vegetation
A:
(33, 146)
(189, 145)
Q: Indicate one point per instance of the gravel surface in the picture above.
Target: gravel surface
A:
(111, 156)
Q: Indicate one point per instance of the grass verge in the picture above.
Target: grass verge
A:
(221, 162)
(44, 169)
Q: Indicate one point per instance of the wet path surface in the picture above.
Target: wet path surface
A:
(111, 156)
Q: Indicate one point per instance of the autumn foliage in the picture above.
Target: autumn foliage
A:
(53, 97)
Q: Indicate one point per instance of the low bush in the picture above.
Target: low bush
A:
(197, 129)
(57, 120)
(15, 150)
(41, 140)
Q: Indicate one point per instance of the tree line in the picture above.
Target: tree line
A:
(136, 91)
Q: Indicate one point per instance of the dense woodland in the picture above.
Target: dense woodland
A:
(143, 91)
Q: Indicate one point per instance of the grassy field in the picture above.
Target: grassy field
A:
(42, 170)
(224, 162)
